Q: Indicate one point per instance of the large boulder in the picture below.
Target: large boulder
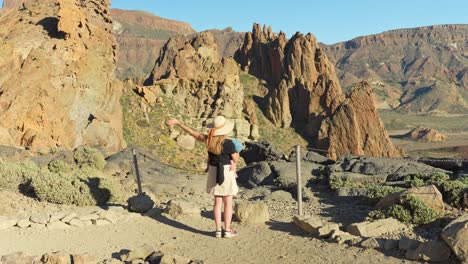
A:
(429, 195)
(375, 228)
(252, 212)
(455, 235)
(59, 86)
(396, 169)
(433, 251)
(308, 224)
(285, 173)
(179, 207)
(260, 151)
(256, 174)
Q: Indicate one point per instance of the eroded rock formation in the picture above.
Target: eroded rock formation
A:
(191, 71)
(425, 133)
(57, 84)
(304, 92)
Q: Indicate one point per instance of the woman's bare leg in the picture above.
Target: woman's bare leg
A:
(218, 203)
(227, 200)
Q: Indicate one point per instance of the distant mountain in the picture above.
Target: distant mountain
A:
(421, 69)
(141, 36)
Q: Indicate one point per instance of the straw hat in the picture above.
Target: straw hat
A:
(221, 125)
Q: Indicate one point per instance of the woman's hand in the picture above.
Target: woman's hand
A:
(172, 122)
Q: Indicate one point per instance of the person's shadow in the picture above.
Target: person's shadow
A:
(171, 222)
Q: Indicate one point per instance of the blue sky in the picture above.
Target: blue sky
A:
(329, 20)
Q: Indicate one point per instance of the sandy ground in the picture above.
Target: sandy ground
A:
(274, 242)
(447, 148)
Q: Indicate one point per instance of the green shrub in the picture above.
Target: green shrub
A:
(59, 166)
(399, 212)
(453, 192)
(376, 214)
(376, 192)
(415, 182)
(335, 182)
(422, 214)
(83, 187)
(14, 174)
(86, 156)
(438, 179)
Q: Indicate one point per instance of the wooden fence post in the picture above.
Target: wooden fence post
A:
(299, 180)
(135, 161)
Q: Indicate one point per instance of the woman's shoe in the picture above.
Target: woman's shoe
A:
(229, 234)
(219, 234)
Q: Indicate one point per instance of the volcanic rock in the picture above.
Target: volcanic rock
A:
(58, 86)
(304, 90)
(455, 235)
(427, 134)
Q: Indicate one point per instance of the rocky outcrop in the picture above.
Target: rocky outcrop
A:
(355, 127)
(415, 70)
(304, 91)
(57, 83)
(426, 134)
(141, 36)
(191, 72)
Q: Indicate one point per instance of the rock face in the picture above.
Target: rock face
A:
(141, 36)
(304, 91)
(200, 82)
(355, 127)
(57, 83)
(456, 236)
(416, 70)
(427, 134)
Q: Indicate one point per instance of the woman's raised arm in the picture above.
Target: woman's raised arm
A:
(174, 122)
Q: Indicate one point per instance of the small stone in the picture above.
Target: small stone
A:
(56, 217)
(370, 243)
(6, 223)
(83, 259)
(171, 259)
(327, 229)
(40, 218)
(141, 203)
(111, 216)
(182, 208)
(37, 226)
(434, 251)
(406, 243)
(139, 253)
(57, 225)
(100, 222)
(308, 223)
(17, 258)
(375, 228)
(252, 212)
(76, 222)
(56, 258)
(186, 142)
(69, 217)
(155, 257)
(23, 223)
(92, 216)
(390, 244)
(342, 237)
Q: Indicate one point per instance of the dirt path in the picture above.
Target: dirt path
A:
(276, 242)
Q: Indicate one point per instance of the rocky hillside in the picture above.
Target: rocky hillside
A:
(304, 92)
(141, 36)
(415, 70)
(57, 84)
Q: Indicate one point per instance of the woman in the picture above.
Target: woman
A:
(222, 159)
